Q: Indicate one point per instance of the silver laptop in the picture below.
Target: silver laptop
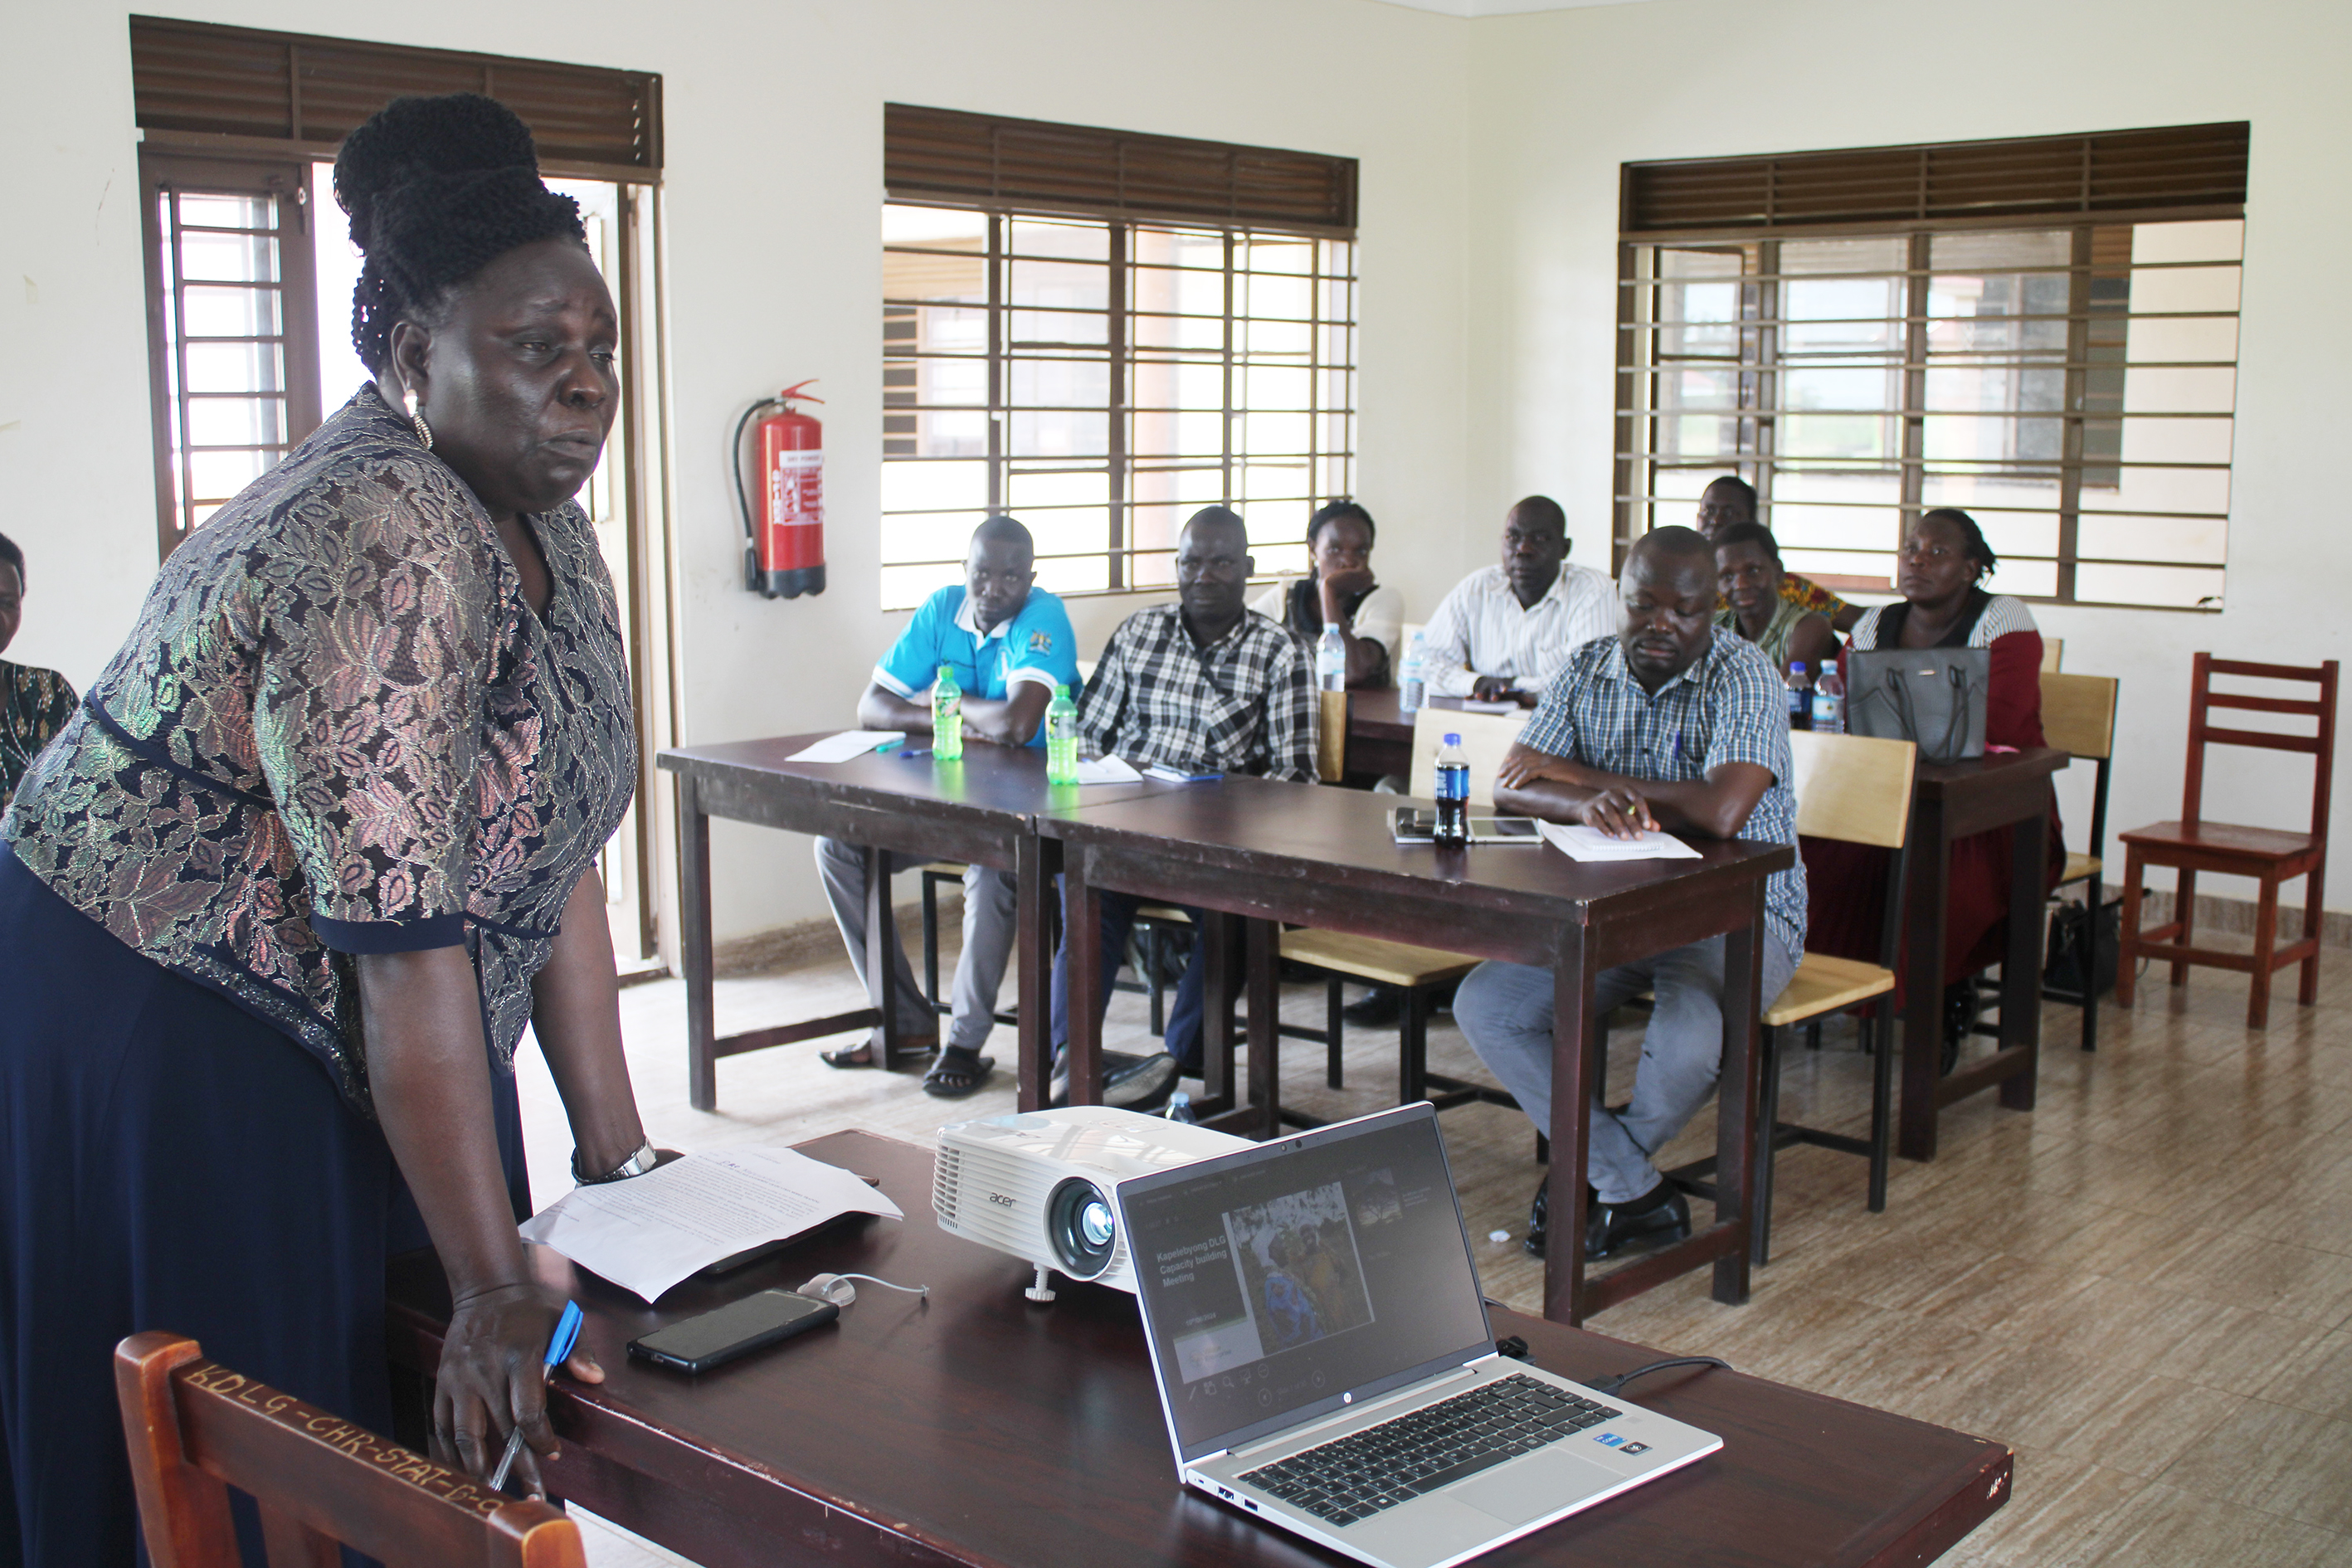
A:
(1325, 1362)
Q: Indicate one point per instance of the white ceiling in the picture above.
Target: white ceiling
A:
(1501, 7)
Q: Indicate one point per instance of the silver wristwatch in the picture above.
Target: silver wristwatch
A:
(637, 1164)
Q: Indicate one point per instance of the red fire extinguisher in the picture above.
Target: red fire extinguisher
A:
(783, 549)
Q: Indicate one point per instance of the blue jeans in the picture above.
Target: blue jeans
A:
(1183, 1038)
(1505, 1010)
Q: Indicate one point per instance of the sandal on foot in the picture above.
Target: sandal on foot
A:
(870, 1051)
(960, 1071)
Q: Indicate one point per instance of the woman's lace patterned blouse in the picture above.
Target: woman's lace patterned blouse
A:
(339, 729)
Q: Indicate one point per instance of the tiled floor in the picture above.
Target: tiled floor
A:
(2144, 1286)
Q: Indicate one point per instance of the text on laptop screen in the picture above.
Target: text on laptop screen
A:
(1278, 1284)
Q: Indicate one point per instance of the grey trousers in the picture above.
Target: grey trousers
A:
(1505, 1010)
(988, 928)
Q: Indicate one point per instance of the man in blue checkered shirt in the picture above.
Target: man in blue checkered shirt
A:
(1204, 686)
(1672, 724)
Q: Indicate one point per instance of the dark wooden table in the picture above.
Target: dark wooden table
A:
(977, 810)
(1269, 851)
(1951, 801)
(977, 1429)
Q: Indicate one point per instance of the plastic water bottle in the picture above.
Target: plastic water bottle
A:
(1412, 682)
(1061, 738)
(1453, 795)
(1331, 660)
(1800, 706)
(947, 718)
(1829, 702)
(1180, 1109)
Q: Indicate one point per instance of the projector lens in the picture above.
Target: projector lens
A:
(1081, 1227)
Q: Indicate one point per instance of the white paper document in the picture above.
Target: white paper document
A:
(1581, 842)
(847, 744)
(1107, 769)
(649, 1232)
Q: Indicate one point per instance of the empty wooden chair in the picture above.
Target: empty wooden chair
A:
(2078, 717)
(1855, 789)
(2268, 856)
(195, 1428)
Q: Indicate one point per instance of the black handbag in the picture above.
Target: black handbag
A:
(2070, 954)
(1933, 697)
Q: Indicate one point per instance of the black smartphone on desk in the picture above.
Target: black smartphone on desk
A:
(718, 1336)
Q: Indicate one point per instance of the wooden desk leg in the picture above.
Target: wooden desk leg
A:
(1082, 941)
(1265, 1021)
(1035, 858)
(2020, 966)
(1212, 947)
(1736, 1132)
(1574, 1073)
(694, 946)
(881, 953)
(1922, 981)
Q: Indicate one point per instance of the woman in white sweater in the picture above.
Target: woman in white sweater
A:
(1340, 590)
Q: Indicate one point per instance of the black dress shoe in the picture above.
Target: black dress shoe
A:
(1662, 1212)
(1539, 1215)
(1383, 1008)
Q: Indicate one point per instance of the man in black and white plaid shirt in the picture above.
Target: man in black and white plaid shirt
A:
(1202, 686)
(1675, 723)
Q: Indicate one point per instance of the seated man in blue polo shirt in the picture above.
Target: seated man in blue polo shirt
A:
(1675, 723)
(1010, 645)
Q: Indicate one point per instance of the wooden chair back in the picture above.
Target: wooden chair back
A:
(2053, 650)
(2078, 717)
(1330, 736)
(1486, 737)
(1855, 788)
(2078, 713)
(195, 1428)
(2320, 745)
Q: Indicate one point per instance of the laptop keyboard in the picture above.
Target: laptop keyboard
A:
(1396, 1461)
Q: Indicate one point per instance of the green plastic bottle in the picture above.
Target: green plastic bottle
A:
(1061, 738)
(947, 718)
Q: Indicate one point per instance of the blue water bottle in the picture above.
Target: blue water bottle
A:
(1453, 830)
(1412, 680)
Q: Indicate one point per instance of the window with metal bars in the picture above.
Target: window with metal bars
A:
(1101, 379)
(2046, 339)
(233, 324)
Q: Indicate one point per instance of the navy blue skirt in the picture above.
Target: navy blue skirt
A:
(167, 1160)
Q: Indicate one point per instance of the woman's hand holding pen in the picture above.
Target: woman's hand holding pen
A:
(491, 1382)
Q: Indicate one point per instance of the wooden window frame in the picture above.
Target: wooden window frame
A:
(287, 181)
(2089, 187)
(1011, 169)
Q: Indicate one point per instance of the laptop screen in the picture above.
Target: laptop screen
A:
(1278, 1278)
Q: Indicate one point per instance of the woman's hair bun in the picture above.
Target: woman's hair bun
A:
(411, 139)
(436, 189)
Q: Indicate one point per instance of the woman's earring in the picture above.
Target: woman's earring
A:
(424, 431)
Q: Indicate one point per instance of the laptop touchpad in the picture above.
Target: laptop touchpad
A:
(1529, 1488)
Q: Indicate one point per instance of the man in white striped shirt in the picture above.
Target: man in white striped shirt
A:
(1504, 631)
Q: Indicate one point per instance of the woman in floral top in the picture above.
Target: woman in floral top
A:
(317, 845)
(33, 703)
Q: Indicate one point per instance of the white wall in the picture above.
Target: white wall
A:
(774, 140)
(1560, 101)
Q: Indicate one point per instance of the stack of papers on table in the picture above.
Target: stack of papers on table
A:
(847, 744)
(649, 1232)
(1581, 842)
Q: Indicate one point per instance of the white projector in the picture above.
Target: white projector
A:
(1038, 1184)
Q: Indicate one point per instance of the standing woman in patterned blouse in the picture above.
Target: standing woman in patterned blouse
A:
(316, 847)
(33, 703)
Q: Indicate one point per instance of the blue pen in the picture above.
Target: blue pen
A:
(558, 1346)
